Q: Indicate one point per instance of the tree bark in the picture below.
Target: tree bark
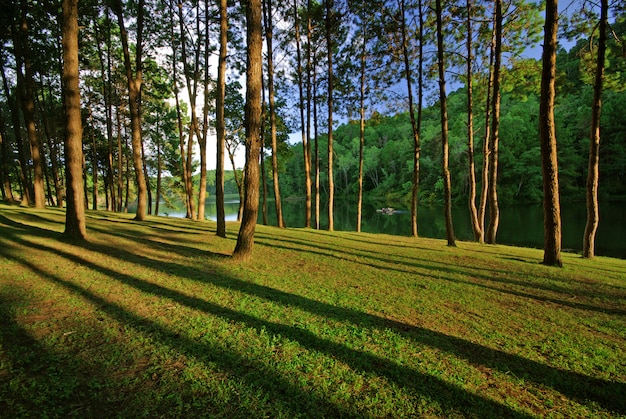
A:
(75, 225)
(593, 215)
(447, 199)
(547, 134)
(306, 149)
(134, 102)
(5, 158)
(331, 181)
(476, 227)
(245, 238)
(220, 127)
(270, 84)
(27, 100)
(494, 208)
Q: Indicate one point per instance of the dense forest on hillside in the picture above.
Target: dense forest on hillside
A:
(388, 149)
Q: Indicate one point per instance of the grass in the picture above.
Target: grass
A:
(153, 319)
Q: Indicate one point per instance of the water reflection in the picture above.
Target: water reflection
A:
(520, 225)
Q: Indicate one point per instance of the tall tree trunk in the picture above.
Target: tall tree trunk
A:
(306, 149)
(22, 172)
(476, 227)
(120, 160)
(219, 123)
(359, 204)
(254, 38)
(159, 170)
(134, 102)
(5, 159)
(447, 199)
(75, 225)
(547, 134)
(205, 119)
(270, 84)
(593, 216)
(484, 193)
(494, 208)
(26, 86)
(331, 180)
(317, 153)
(52, 147)
(416, 135)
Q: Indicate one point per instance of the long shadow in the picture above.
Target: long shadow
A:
(277, 388)
(397, 266)
(611, 395)
(449, 396)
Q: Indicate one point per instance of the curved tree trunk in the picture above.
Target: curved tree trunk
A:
(75, 226)
(593, 216)
(547, 134)
(245, 238)
(447, 199)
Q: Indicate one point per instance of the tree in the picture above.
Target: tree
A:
(594, 143)
(254, 42)
(547, 134)
(219, 119)
(134, 101)
(75, 214)
(26, 85)
(329, 47)
(494, 208)
(444, 127)
(269, 29)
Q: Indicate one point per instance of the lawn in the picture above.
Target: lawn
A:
(154, 319)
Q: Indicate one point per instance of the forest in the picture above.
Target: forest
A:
(165, 85)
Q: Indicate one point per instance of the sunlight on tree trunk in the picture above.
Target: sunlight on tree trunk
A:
(547, 133)
(219, 120)
(245, 238)
(593, 216)
(75, 213)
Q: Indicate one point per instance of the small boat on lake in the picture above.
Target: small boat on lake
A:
(386, 211)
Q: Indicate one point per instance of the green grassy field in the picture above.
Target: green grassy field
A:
(154, 319)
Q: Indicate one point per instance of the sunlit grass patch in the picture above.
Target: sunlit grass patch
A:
(154, 319)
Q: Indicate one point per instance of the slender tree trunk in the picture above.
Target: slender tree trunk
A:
(484, 194)
(75, 225)
(205, 119)
(264, 186)
(270, 84)
(476, 227)
(22, 171)
(593, 215)
(5, 159)
(52, 147)
(27, 93)
(447, 199)
(416, 135)
(494, 208)
(331, 180)
(254, 37)
(134, 101)
(547, 134)
(219, 123)
(159, 171)
(359, 205)
(317, 154)
(303, 127)
(120, 160)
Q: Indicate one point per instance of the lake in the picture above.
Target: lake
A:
(520, 225)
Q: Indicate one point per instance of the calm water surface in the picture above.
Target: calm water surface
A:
(519, 225)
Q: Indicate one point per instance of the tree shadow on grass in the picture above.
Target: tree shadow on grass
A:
(610, 395)
(279, 389)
